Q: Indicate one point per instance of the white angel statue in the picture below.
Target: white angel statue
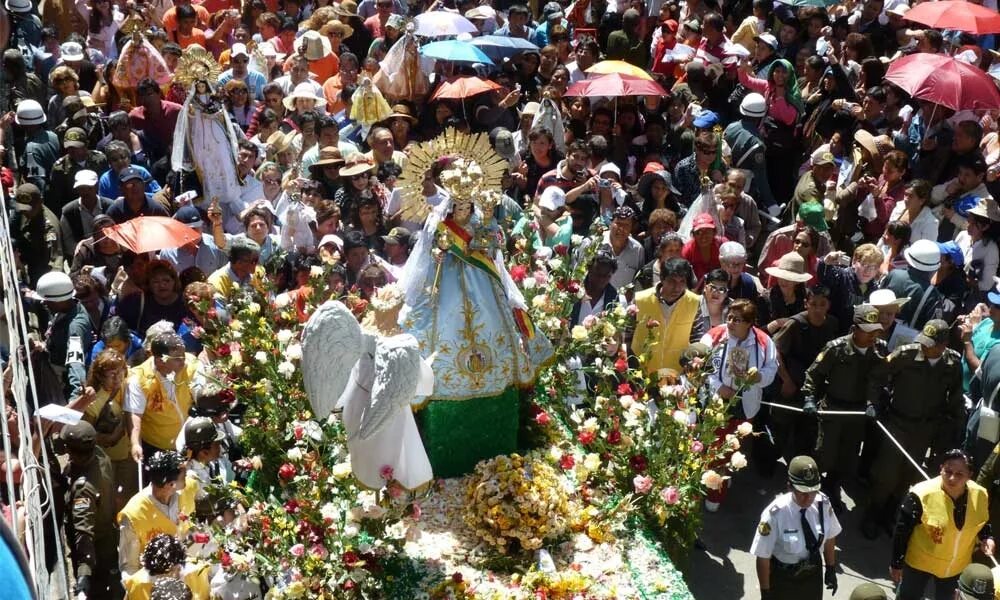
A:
(388, 377)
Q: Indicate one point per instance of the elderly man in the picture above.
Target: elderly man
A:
(158, 395)
(77, 220)
(383, 150)
(669, 317)
(244, 256)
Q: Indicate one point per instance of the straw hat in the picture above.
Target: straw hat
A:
(347, 8)
(314, 45)
(790, 267)
(402, 111)
(886, 297)
(867, 141)
(279, 142)
(357, 165)
(303, 90)
(344, 29)
(329, 155)
(986, 209)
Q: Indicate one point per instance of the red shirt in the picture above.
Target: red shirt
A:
(700, 265)
(160, 129)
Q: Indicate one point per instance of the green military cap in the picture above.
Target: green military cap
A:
(803, 474)
(976, 583)
(81, 437)
(201, 431)
(868, 591)
(866, 317)
(934, 333)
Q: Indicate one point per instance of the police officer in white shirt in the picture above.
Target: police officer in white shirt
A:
(796, 536)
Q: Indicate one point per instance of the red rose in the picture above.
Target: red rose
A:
(292, 506)
(621, 365)
(567, 462)
(615, 437)
(586, 437)
(227, 396)
(456, 577)
(624, 388)
(200, 538)
(212, 314)
(225, 560)
(573, 287)
(299, 431)
(350, 558)
(543, 418)
(286, 471)
(561, 249)
(224, 350)
(518, 273)
(638, 463)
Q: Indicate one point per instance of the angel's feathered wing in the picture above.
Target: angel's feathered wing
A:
(331, 344)
(397, 373)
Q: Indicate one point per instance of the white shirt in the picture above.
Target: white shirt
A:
(735, 360)
(924, 227)
(779, 534)
(135, 399)
(984, 251)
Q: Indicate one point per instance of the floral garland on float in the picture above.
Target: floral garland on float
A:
(604, 495)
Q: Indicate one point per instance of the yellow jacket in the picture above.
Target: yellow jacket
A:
(162, 421)
(140, 585)
(667, 340)
(937, 546)
(148, 521)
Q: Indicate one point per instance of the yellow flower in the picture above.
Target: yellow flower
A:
(579, 333)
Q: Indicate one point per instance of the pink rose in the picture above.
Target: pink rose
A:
(642, 484)
(318, 551)
(385, 472)
(632, 310)
(589, 321)
(697, 447)
(297, 550)
(670, 495)
(541, 277)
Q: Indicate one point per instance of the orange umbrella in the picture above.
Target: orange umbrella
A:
(463, 87)
(147, 234)
(617, 66)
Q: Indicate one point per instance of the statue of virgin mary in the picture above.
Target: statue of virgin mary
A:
(204, 138)
(462, 306)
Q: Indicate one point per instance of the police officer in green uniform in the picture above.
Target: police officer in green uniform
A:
(747, 146)
(926, 411)
(90, 521)
(37, 231)
(70, 334)
(77, 158)
(796, 536)
(838, 381)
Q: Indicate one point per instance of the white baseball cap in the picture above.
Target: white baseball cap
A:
(86, 177)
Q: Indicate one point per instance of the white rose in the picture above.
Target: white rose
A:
(744, 429)
(281, 301)
(626, 401)
(294, 454)
(316, 271)
(260, 356)
(555, 264)
(284, 336)
(341, 470)
(738, 461)
(236, 358)
(529, 283)
(286, 369)
(294, 352)
(711, 480)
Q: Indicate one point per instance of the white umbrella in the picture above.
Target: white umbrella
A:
(439, 23)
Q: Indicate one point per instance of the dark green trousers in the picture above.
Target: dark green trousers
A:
(796, 584)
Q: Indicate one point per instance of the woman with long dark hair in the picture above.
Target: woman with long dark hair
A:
(239, 103)
(104, 22)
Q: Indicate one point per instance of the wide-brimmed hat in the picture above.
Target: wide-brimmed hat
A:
(18, 6)
(987, 209)
(347, 8)
(279, 141)
(313, 45)
(328, 156)
(790, 267)
(402, 111)
(303, 90)
(345, 30)
(267, 50)
(867, 141)
(886, 297)
(923, 255)
(531, 108)
(357, 165)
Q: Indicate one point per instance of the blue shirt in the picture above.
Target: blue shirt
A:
(134, 345)
(254, 80)
(109, 186)
(208, 258)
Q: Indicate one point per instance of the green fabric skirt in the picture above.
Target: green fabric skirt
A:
(458, 434)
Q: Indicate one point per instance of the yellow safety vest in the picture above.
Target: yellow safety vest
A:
(162, 421)
(672, 337)
(937, 546)
(148, 520)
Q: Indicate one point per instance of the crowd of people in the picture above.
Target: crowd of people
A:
(830, 241)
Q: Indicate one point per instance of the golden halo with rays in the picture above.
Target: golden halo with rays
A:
(480, 178)
(196, 63)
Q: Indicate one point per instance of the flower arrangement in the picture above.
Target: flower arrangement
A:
(516, 503)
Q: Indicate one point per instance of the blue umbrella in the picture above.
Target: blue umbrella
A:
(499, 47)
(455, 51)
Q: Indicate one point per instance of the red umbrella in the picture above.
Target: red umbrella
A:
(616, 84)
(955, 14)
(463, 87)
(945, 81)
(147, 234)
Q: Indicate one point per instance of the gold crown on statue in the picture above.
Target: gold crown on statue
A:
(195, 64)
(473, 171)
